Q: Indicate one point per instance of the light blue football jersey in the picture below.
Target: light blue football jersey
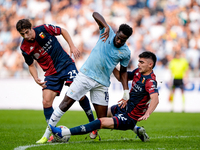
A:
(104, 58)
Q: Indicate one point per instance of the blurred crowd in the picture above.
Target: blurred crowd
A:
(161, 26)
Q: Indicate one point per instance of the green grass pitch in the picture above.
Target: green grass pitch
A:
(20, 129)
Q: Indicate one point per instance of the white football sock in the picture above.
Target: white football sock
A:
(47, 133)
(55, 117)
(135, 129)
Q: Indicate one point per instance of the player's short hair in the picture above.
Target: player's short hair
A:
(126, 29)
(150, 55)
(23, 24)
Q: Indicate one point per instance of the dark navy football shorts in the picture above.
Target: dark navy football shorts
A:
(56, 81)
(178, 83)
(121, 119)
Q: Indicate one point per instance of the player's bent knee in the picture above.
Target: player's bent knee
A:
(46, 104)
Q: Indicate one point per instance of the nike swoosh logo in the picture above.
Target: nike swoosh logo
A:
(53, 120)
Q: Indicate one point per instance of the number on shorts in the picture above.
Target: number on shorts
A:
(72, 74)
(106, 96)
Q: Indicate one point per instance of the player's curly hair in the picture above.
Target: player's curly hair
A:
(150, 55)
(23, 24)
(126, 29)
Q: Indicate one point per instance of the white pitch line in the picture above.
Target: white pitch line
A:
(35, 145)
(38, 145)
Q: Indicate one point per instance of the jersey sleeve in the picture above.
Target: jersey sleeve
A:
(53, 30)
(28, 59)
(111, 32)
(131, 74)
(125, 61)
(151, 86)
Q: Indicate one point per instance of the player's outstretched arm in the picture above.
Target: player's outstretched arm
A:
(73, 49)
(102, 24)
(152, 106)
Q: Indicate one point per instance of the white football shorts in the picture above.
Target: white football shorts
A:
(83, 84)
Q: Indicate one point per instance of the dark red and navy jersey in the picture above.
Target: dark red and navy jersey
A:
(46, 50)
(142, 87)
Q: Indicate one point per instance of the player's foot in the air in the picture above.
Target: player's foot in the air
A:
(42, 140)
(141, 133)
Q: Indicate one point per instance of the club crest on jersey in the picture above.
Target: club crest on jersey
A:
(143, 80)
(42, 35)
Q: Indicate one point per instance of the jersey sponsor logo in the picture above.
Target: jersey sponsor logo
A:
(136, 87)
(46, 47)
(42, 35)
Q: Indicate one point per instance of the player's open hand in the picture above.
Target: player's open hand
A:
(105, 35)
(144, 117)
(41, 83)
(122, 103)
(75, 51)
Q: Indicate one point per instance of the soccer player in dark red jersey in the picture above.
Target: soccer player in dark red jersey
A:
(142, 102)
(40, 44)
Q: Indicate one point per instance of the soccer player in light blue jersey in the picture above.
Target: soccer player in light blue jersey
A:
(94, 75)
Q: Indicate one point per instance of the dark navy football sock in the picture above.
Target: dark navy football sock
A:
(47, 113)
(85, 104)
(83, 129)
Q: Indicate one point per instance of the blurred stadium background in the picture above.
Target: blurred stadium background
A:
(160, 26)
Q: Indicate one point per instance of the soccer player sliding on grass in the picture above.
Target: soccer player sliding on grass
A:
(142, 102)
